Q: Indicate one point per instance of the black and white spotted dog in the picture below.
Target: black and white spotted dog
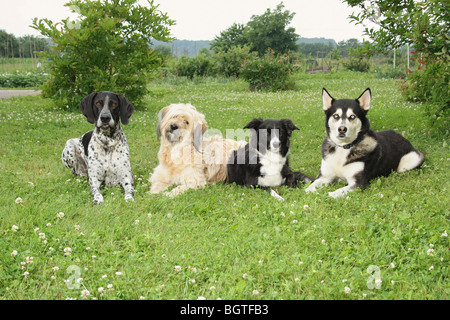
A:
(263, 162)
(102, 155)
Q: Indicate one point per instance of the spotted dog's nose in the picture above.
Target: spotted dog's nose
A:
(105, 118)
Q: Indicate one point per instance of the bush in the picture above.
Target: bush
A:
(269, 72)
(355, 64)
(430, 84)
(22, 80)
(107, 50)
(229, 63)
(198, 66)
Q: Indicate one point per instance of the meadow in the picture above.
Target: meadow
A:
(223, 241)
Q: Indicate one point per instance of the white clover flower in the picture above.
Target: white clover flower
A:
(36, 229)
(84, 294)
(29, 260)
(67, 251)
(49, 224)
(177, 268)
(305, 206)
(136, 222)
(41, 235)
(341, 240)
(14, 228)
(26, 274)
(323, 241)
(300, 263)
(255, 292)
(163, 256)
(392, 266)
(14, 253)
(283, 214)
(294, 221)
(297, 279)
(212, 288)
(60, 215)
(50, 249)
(192, 281)
(192, 269)
(55, 268)
(77, 227)
(101, 290)
(430, 252)
(201, 298)
(378, 283)
(245, 276)
(169, 215)
(110, 287)
(347, 290)
(431, 268)
(118, 273)
(445, 234)
(18, 200)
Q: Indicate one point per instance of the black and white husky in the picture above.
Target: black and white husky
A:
(263, 162)
(353, 152)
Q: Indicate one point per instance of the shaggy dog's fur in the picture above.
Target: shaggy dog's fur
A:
(186, 157)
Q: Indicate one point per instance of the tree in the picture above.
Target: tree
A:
(423, 24)
(270, 30)
(107, 49)
(231, 37)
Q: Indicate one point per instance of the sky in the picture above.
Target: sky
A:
(202, 19)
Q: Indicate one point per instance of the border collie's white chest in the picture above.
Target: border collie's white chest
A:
(271, 165)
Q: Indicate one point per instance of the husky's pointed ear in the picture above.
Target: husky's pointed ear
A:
(254, 124)
(289, 125)
(88, 108)
(327, 99)
(364, 99)
(126, 108)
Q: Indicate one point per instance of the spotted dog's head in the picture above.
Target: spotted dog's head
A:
(271, 134)
(106, 109)
(345, 119)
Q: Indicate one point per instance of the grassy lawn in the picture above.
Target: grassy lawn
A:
(223, 241)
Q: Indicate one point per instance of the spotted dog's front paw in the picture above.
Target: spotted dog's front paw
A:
(98, 199)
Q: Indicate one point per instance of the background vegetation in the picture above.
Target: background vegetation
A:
(223, 241)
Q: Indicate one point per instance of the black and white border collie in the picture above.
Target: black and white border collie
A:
(263, 162)
(353, 152)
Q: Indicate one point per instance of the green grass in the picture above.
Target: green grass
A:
(234, 239)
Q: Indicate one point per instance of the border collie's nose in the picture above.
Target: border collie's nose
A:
(173, 127)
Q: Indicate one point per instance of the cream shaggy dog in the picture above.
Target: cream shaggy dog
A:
(186, 157)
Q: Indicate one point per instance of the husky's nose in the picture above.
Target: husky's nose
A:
(173, 127)
(342, 129)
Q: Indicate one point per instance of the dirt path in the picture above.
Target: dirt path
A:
(5, 94)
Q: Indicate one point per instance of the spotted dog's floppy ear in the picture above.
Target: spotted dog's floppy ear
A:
(254, 124)
(126, 108)
(289, 125)
(88, 108)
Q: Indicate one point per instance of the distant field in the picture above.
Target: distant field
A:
(223, 241)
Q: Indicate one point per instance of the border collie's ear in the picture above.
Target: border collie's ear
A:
(289, 125)
(254, 124)
(327, 99)
(126, 108)
(88, 109)
(364, 99)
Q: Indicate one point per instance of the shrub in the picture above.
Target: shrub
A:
(198, 66)
(22, 80)
(268, 72)
(229, 63)
(356, 64)
(108, 49)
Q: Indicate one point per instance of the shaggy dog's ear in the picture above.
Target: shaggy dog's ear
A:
(126, 109)
(289, 125)
(254, 124)
(199, 129)
(161, 115)
(88, 108)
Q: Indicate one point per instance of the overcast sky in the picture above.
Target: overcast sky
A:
(202, 19)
